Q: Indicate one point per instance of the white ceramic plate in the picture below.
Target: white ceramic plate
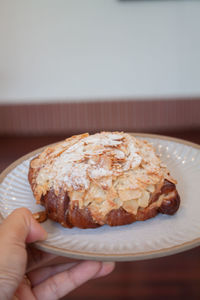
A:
(160, 236)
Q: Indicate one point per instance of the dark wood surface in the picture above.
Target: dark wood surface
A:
(172, 277)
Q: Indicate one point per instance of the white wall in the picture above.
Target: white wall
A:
(87, 49)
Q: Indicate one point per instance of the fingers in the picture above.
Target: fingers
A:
(18, 228)
(41, 274)
(107, 268)
(37, 258)
(24, 292)
(61, 284)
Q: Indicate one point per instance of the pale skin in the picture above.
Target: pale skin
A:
(46, 280)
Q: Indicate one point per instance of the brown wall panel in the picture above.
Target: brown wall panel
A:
(141, 115)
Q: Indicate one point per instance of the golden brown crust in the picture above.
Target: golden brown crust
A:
(59, 210)
(81, 218)
(117, 217)
(170, 206)
(40, 216)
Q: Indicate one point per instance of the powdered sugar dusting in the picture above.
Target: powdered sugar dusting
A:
(92, 157)
(109, 139)
(77, 178)
(99, 172)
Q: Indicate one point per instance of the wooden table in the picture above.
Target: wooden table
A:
(174, 277)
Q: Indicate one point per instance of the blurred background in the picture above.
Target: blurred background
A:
(71, 66)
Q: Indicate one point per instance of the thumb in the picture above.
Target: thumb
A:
(22, 227)
(19, 227)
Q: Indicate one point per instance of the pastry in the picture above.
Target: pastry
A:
(109, 178)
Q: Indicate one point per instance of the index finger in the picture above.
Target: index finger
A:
(61, 284)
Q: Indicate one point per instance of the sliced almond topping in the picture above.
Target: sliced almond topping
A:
(102, 170)
(129, 194)
(118, 202)
(76, 195)
(36, 163)
(151, 188)
(131, 206)
(144, 200)
(96, 194)
(112, 194)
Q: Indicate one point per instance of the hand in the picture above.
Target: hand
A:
(42, 282)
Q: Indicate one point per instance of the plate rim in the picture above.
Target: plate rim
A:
(111, 257)
(119, 257)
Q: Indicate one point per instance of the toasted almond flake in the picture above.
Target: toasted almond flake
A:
(129, 194)
(76, 195)
(131, 206)
(96, 193)
(143, 201)
(150, 188)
